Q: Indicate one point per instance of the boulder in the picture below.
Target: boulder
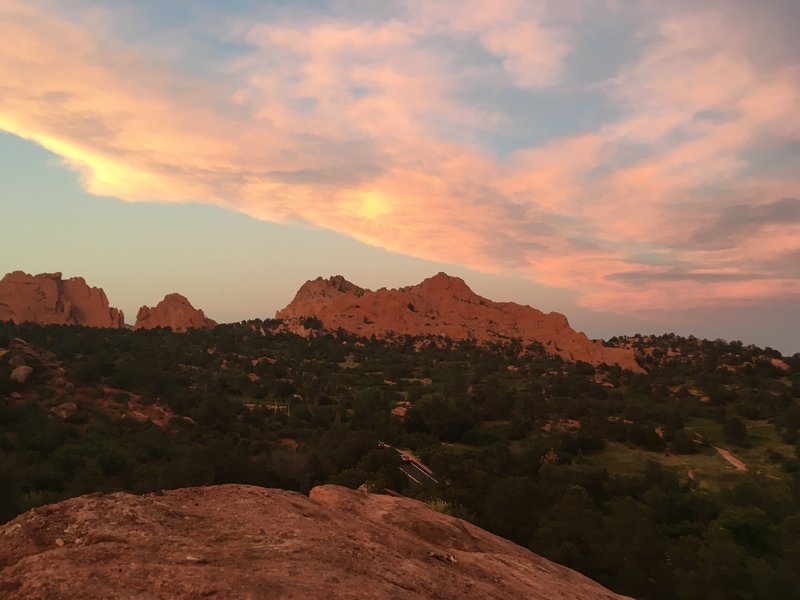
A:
(64, 410)
(238, 541)
(21, 374)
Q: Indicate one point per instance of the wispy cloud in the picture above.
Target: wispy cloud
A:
(388, 126)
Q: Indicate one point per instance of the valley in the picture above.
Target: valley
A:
(586, 465)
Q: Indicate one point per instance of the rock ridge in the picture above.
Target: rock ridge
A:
(442, 305)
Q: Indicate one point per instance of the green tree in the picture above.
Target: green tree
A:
(734, 431)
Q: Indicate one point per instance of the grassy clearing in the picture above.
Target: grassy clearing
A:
(707, 467)
(706, 427)
(619, 458)
(763, 437)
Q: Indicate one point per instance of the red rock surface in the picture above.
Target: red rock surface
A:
(236, 541)
(174, 311)
(48, 299)
(446, 306)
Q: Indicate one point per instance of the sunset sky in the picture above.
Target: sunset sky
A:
(633, 164)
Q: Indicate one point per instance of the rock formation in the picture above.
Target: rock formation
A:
(236, 541)
(174, 311)
(446, 306)
(48, 299)
(21, 374)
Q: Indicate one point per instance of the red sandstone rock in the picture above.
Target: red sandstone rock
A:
(446, 306)
(21, 374)
(47, 299)
(174, 311)
(236, 541)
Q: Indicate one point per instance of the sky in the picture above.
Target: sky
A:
(632, 164)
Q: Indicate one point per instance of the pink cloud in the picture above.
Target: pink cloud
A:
(532, 55)
(360, 127)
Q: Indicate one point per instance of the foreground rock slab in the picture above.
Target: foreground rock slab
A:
(236, 541)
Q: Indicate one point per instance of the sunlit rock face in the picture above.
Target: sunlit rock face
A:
(48, 299)
(445, 306)
(238, 541)
(175, 312)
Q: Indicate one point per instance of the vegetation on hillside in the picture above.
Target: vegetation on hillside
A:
(621, 476)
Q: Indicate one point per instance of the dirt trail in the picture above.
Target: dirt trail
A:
(735, 462)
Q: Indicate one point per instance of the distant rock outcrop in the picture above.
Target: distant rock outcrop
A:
(48, 299)
(445, 306)
(237, 541)
(175, 312)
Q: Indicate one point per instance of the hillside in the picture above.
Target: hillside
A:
(628, 478)
(237, 541)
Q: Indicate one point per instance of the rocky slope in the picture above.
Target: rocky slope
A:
(48, 299)
(32, 370)
(174, 311)
(236, 541)
(446, 306)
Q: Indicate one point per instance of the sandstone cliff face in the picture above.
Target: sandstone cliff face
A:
(48, 299)
(236, 541)
(174, 311)
(446, 306)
